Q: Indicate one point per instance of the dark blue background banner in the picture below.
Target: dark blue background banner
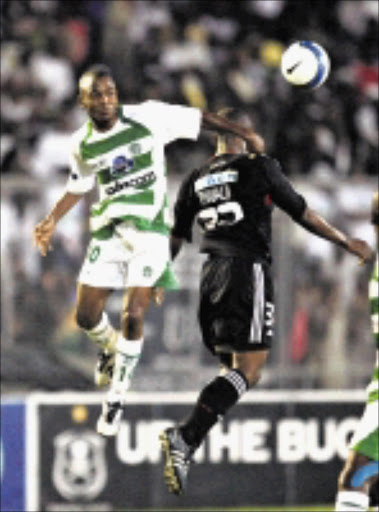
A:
(13, 456)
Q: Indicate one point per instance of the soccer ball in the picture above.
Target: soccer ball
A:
(305, 64)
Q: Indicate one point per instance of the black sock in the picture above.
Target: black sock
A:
(214, 401)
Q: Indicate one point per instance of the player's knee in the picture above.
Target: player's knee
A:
(85, 320)
(133, 319)
(136, 312)
(253, 377)
(251, 370)
(358, 476)
(363, 476)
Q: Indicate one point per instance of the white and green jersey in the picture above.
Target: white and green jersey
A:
(128, 164)
(374, 310)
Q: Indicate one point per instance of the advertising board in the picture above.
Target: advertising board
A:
(274, 448)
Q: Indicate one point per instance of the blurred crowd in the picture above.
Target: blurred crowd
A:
(205, 54)
(208, 54)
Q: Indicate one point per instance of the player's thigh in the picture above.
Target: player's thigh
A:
(250, 363)
(236, 308)
(90, 304)
(147, 267)
(136, 300)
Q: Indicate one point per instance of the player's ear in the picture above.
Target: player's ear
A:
(83, 99)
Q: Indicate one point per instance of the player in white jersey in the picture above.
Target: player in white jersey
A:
(121, 148)
(359, 479)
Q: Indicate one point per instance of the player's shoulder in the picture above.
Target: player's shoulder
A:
(248, 159)
(147, 105)
(81, 131)
(259, 157)
(267, 161)
(163, 107)
(262, 163)
(149, 110)
(79, 135)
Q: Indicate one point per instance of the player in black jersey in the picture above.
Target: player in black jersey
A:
(233, 196)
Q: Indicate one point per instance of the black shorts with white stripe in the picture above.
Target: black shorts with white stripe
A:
(236, 310)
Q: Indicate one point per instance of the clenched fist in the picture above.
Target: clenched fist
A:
(42, 235)
(361, 249)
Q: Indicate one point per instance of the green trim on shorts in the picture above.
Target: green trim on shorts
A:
(106, 232)
(167, 279)
(369, 446)
(373, 396)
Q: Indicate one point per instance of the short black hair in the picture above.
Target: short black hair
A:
(96, 71)
(99, 70)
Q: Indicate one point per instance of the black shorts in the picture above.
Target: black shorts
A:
(236, 310)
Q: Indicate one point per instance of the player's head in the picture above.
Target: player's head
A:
(375, 214)
(98, 95)
(228, 143)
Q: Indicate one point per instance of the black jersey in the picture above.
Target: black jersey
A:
(232, 197)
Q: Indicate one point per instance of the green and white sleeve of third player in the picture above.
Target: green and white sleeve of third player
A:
(366, 437)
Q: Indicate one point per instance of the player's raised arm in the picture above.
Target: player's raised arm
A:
(220, 124)
(44, 231)
(316, 224)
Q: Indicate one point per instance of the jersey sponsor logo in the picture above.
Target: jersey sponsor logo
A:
(139, 181)
(120, 166)
(219, 178)
(214, 194)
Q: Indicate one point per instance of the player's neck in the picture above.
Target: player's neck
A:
(229, 147)
(106, 125)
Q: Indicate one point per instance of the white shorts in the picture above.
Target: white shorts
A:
(130, 258)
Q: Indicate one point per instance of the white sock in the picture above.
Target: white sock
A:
(128, 353)
(352, 501)
(104, 334)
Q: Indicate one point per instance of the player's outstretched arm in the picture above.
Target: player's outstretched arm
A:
(213, 121)
(316, 224)
(44, 231)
